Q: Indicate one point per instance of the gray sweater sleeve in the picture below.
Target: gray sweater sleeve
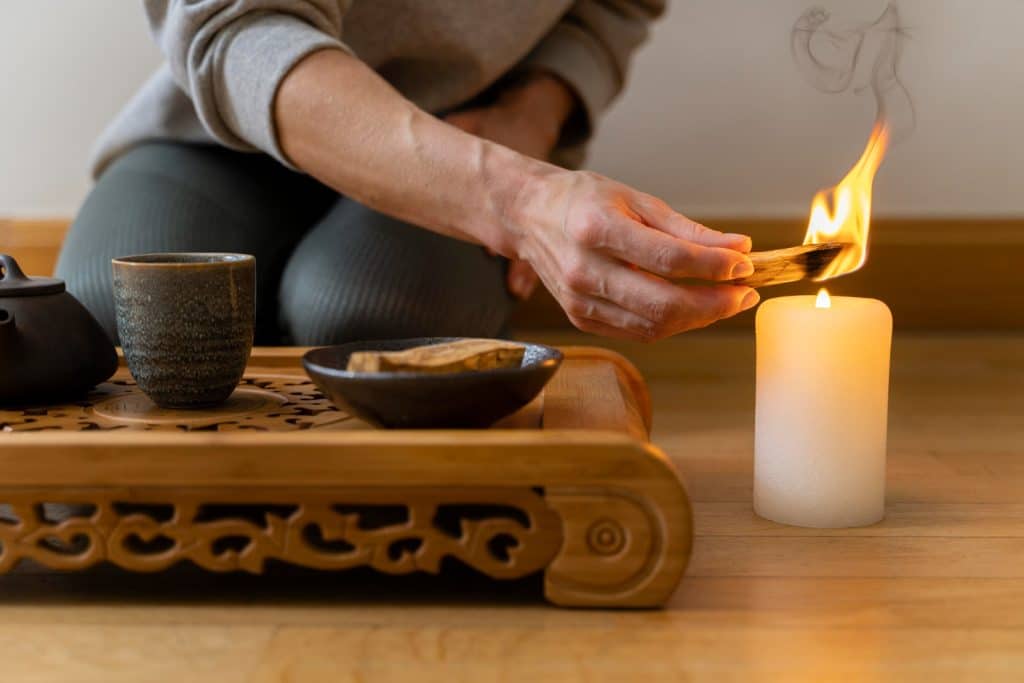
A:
(230, 56)
(590, 49)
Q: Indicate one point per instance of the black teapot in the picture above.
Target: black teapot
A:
(51, 348)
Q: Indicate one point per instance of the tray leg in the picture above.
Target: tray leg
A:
(597, 546)
(620, 549)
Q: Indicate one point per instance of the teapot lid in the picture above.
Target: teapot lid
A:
(13, 282)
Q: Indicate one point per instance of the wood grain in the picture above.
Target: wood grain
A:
(659, 653)
(569, 402)
(780, 604)
(35, 243)
(457, 356)
(600, 538)
(790, 264)
(72, 653)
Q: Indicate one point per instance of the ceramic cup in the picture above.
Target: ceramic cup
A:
(186, 324)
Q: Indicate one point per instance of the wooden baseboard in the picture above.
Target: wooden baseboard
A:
(935, 273)
(34, 243)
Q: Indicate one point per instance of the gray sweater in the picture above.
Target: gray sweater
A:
(226, 59)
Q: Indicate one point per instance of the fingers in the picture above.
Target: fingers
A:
(614, 294)
(717, 302)
(586, 311)
(660, 215)
(598, 316)
(596, 327)
(701, 306)
(676, 308)
(659, 252)
(609, 257)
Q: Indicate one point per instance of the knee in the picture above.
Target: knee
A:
(330, 299)
(344, 319)
(336, 308)
(87, 276)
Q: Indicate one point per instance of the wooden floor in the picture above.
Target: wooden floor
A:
(935, 592)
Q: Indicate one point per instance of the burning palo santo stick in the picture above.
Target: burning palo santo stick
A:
(779, 266)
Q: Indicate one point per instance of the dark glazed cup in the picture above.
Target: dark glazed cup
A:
(186, 324)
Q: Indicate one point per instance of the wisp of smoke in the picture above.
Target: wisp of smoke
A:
(836, 58)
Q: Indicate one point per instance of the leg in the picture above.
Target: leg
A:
(361, 275)
(175, 197)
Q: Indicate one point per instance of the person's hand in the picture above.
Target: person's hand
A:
(528, 119)
(608, 252)
(510, 127)
(508, 124)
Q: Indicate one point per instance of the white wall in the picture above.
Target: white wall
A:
(717, 120)
(66, 67)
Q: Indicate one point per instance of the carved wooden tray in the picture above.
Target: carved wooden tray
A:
(569, 486)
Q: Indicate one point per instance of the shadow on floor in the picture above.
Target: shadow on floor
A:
(282, 584)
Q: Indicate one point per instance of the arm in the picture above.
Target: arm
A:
(529, 116)
(590, 50)
(578, 230)
(548, 106)
(380, 149)
(274, 75)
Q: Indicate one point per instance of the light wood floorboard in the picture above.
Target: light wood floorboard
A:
(935, 592)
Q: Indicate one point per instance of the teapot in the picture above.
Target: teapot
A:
(51, 348)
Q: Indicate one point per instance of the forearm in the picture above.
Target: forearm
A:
(606, 251)
(343, 124)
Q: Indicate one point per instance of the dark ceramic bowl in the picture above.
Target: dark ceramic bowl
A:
(410, 400)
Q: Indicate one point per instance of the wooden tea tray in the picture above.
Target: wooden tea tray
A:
(570, 486)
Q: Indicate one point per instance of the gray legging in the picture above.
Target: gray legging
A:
(329, 270)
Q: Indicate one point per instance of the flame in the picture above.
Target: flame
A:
(843, 213)
(823, 300)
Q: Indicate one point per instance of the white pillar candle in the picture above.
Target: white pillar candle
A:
(822, 406)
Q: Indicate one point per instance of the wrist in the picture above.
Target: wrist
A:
(528, 204)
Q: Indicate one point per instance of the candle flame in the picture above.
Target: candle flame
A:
(823, 300)
(843, 213)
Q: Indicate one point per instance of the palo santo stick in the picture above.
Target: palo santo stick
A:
(789, 265)
(457, 356)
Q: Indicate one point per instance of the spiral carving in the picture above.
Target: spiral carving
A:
(503, 533)
(606, 537)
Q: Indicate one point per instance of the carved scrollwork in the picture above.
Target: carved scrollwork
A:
(261, 403)
(501, 532)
